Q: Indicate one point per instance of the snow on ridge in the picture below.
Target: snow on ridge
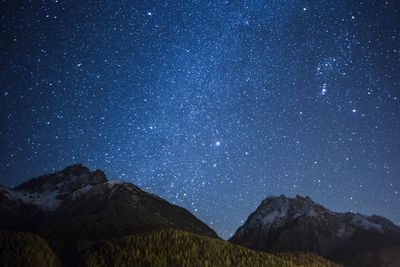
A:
(362, 221)
(114, 182)
(85, 189)
(273, 214)
(112, 185)
(46, 200)
(82, 191)
(341, 232)
(49, 199)
(49, 194)
(275, 211)
(270, 217)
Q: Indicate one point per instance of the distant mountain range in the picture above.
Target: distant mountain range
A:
(62, 218)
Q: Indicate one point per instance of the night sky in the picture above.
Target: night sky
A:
(213, 105)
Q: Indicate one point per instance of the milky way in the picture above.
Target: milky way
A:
(213, 105)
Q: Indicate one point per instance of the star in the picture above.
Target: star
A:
(323, 90)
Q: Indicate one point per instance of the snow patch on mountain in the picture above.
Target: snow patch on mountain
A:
(345, 231)
(82, 191)
(46, 200)
(270, 218)
(362, 221)
(116, 182)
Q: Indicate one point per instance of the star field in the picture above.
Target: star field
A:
(213, 105)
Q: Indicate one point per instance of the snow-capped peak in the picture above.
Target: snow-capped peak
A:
(362, 221)
(303, 214)
(48, 191)
(46, 200)
(277, 210)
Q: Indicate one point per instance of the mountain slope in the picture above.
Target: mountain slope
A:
(76, 203)
(388, 257)
(178, 248)
(75, 209)
(101, 208)
(290, 224)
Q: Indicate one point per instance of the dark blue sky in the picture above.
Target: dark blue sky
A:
(212, 105)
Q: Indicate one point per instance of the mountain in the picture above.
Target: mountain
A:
(102, 208)
(76, 203)
(300, 224)
(76, 217)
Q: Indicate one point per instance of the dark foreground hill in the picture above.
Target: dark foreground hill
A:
(300, 224)
(163, 248)
(25, 250)
(178, 248)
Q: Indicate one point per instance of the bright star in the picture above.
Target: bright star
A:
(324, 90)
(218, 143)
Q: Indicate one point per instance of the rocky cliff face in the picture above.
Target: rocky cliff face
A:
(76, 204)
(292, 224)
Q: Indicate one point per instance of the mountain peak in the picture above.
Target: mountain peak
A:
(277, 211)
(70, 179)
(47, 191)
(76, 169)
(76, 194)
(282, 223)
(283, 198)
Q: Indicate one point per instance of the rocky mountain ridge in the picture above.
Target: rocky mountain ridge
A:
(76, 191)
(77, 204)
(300, 224)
